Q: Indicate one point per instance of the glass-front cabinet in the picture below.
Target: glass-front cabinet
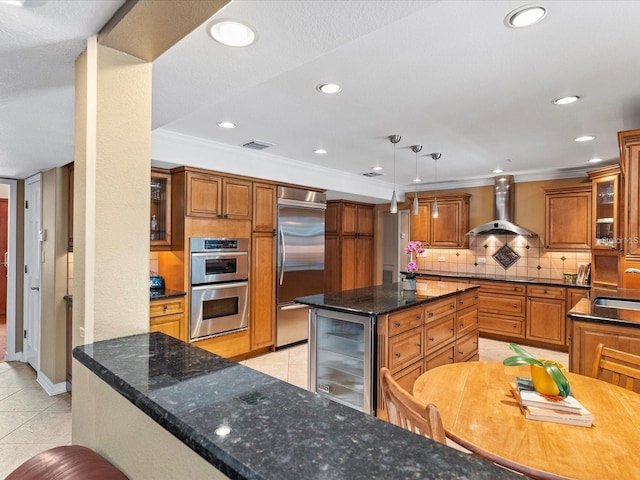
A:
(340, 348)
(605, 183)
(160, 214)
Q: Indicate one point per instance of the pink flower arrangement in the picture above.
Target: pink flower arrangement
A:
(412, 266)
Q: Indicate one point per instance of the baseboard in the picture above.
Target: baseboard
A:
(16, 357)
(50, 387)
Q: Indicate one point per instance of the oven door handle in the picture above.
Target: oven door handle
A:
(284, 254)
(218, 286)
(218, 254)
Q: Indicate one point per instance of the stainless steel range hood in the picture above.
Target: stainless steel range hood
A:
(504, 207)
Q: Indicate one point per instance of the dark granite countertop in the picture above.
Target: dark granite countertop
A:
(585, 310)
(277, 431)
(155, 294)
(500, 278)
(383, 298)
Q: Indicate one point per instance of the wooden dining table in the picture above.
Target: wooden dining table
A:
(480, 413)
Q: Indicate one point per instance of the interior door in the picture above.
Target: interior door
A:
(32, 255)
(4, 225)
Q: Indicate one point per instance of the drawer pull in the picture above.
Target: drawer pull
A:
(418, 345)
(545, 291)
(419, 316)
(460, 352)
(398, 324)
(431, 314)
(164, 307)
(450, 358)
(461, 302)
(515, 326)
(452, 306)
(515, 306)
(398, 355)
(431, 339)
(451, 329)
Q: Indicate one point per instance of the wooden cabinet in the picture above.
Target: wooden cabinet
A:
(262, 297)
(160, 213)
(167, 315)
(629, 143)
(568, 217)
(349, 239)
(416, 339)
(215, 196)
(502, 308)
(546, 310)
(587, 335)
(449, 229)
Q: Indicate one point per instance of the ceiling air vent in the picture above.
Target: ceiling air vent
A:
(257, 145)
(372, 174)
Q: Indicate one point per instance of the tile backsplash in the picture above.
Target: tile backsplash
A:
(533, 262)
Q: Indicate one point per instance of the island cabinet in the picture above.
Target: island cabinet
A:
(167, 315)
(568, 217)
(349, 229)
(449, 229)
(416, 339)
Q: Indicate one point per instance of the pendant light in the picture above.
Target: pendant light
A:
(435, 156)
(416, 207)
(394, 201)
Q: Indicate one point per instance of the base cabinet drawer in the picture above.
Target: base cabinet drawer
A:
(405, 348)
(439, 332)
(467, 347)
(503, 304)
(467, 321)
(168, 306)
(408, 376)
(444, 356)
(167, 315)
(514, 327)
(405, 320)
(433, 311)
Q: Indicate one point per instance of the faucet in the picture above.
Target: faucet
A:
(632, 270)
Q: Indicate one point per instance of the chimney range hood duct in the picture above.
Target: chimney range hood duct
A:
(504, 207)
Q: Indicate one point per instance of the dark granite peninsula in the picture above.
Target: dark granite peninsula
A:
(161, 408)
(610, 317)
(354, 333)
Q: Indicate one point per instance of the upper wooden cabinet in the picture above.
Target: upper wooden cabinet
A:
(568, 217)
(605, 193)
(216, 196)
(349, 228)
(629, 143)
(264, 208)
(160, 216)
(450, 228)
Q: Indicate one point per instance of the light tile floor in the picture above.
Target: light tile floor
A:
(31, 421)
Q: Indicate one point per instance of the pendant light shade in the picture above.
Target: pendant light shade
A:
(394, 200)
(435, 156)
(416, 207)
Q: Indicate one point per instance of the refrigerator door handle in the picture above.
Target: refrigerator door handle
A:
(284, 254)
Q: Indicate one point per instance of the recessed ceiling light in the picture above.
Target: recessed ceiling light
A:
(525, 16)
(566, 100)
(376, 168)
(329, 88)
(319, 151)
(231, 33)
(226, 125)
(498, 170)
(15, 3)
(585, 138)
(595, 160)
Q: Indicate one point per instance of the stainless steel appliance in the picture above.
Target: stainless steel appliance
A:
(300, 260)
(219, 286)
(340, 358)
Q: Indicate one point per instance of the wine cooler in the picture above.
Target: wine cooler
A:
(340, 358)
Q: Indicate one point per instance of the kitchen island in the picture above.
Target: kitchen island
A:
(164, 409)
(354, 333)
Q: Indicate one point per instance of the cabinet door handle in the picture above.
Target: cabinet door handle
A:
(398, 355)
(431, 339)
(398, 324)
(451, 329)
(418, 344)
(460, 352)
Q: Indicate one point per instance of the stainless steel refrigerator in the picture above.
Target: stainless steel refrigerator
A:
(300, 260)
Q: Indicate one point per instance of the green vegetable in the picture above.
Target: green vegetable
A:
(525, 358)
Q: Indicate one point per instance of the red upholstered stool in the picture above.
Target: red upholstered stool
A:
(72, 462)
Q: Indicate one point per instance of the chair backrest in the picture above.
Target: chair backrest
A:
(614, 366)
(405, 411)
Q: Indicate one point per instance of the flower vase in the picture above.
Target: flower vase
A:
(409, 284)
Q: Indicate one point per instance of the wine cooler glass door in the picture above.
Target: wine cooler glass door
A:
(342, 346)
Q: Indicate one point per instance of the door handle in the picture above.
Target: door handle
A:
(35, 288)
(6, 260)
(284, 254)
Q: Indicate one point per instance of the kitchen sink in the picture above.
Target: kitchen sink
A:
(617, 303)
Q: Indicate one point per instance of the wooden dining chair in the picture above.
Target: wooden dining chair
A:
(614, 366)
(405, 411)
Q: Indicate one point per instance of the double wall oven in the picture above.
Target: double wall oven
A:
(219, 286)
